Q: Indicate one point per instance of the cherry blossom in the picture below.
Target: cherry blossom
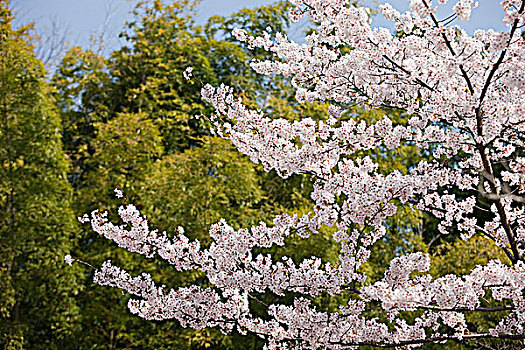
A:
(118, 193)
(188, 73)
(465, 99)
(68, 260)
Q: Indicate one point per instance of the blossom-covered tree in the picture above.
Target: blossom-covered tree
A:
(464, 96)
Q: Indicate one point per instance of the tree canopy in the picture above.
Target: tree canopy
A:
(37, 227)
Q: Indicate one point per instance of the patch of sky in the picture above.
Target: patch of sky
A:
(488, 14)
(96, 24)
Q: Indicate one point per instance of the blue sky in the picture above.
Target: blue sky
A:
(83, 18)
(488, 14)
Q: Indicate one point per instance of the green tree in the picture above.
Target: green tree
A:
(81, 100)
(37, 305)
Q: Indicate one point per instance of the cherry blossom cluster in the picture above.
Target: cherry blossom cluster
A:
(464, 97)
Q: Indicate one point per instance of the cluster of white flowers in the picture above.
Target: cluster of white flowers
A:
(465, 98)
(68, 260)
(464, 8)
(188, 73)
(118, 193)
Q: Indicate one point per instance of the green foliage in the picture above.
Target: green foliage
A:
(124, 150)
(76, 87)
(198, 187)
(37, 302)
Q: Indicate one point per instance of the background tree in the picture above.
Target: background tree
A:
(37, 227)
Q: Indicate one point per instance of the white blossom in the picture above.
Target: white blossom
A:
(188, 73)
(118, 193)
(464, 97)
(68, 260)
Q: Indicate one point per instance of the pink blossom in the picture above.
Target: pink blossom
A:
(465, 101)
